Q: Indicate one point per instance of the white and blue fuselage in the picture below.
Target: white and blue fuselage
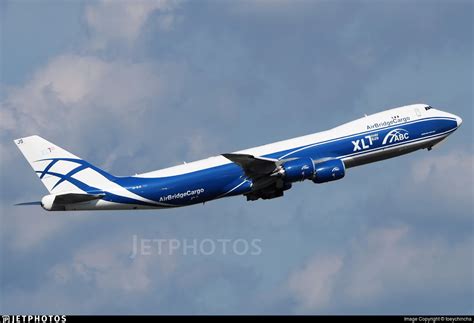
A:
(260, 172)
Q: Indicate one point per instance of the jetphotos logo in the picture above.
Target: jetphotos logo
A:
(33, 318)
(396, 135)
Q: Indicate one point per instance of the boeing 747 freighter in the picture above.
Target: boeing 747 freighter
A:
(263, 172)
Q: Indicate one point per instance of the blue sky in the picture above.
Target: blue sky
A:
(137, 86)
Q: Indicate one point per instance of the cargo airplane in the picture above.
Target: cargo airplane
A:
(263, 172)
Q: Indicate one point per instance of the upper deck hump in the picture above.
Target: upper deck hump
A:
(404, 114)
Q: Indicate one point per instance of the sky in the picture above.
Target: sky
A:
(135, 86)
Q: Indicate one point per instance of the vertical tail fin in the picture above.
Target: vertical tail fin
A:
(59, 170)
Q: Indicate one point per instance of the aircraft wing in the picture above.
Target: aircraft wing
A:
(254, 167)
(262, 172)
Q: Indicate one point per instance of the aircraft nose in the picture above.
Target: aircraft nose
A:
(458, 120)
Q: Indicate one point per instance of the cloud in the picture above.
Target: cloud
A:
(385, 259)
(73, 84)
(447, 177)
(122, 21)
(83, 280)
(313, 285)
(108, 266)
(32, 228)
(378, 257)
(72, 90)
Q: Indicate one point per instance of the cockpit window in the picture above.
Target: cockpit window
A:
(428, 107)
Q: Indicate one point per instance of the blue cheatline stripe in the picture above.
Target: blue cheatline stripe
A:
(287, 152)
(298, 149)
(399, 144)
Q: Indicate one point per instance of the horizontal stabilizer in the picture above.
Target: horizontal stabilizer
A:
(28, 203)
(70, 198)
(58, 202)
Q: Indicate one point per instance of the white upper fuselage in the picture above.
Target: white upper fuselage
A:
(409, 112)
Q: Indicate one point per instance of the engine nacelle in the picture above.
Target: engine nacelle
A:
(47, 202)
(298, 169)
(329, 170)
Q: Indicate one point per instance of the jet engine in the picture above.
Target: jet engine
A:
(304, 168)
(297, 169)
(329, 170)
